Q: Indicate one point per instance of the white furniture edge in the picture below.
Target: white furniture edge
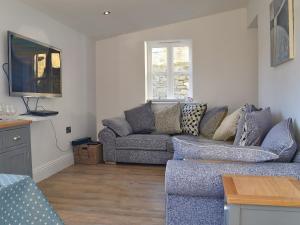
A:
(35, 118)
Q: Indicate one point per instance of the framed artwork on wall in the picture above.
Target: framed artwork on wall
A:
(282, 31)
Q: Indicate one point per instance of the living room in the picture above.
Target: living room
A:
(146, 80)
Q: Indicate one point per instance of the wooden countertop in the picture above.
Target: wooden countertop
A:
(13, 123)
(266, 191)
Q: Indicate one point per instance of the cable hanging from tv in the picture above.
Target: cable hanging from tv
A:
(5, 71)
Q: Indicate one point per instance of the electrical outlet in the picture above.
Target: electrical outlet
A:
(68, 130)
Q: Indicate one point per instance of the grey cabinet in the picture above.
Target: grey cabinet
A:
(261, 215)
(15, 151)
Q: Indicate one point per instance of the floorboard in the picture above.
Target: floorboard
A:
(108, 194)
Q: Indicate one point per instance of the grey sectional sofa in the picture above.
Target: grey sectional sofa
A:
(120, 145)
(194, 190)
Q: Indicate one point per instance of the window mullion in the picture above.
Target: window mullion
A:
(150, 75)
(190, 71)
(170, 73)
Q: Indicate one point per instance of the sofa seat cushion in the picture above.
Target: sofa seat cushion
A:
(151, 142)
(200, 139)
(207, 151)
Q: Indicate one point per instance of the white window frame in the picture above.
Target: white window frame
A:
(169, 44)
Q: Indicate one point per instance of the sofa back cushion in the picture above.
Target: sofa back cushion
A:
(257, 125)
(167, 121)
(141, 119)
(212, 120)
(119, 125)
(280, 140)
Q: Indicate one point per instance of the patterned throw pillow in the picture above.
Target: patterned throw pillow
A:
(257, 125)
(240, 128)
(191, 117)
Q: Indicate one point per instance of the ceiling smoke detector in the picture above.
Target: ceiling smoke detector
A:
(106, 13)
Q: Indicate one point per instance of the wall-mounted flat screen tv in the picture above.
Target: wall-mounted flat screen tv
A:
(34, 68)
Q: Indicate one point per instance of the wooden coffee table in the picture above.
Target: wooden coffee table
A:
(257, 200)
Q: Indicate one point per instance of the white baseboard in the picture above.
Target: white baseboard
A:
(50, 168)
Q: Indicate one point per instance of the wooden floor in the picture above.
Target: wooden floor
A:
(108, 194)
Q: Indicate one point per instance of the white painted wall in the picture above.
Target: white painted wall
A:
(225, 63)
(77, 106)
(252, 10)
(279, 86)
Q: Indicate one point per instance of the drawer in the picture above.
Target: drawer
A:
(15, 137)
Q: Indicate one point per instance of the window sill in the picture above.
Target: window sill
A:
(168, 101)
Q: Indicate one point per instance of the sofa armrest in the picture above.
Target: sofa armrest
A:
(108, 139)
(211, 151)
(204, 179)
(119, 125)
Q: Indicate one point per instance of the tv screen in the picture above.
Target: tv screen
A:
(34, 68)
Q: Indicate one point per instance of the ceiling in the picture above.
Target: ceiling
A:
(128, 15)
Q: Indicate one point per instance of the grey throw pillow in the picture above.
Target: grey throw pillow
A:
(280, 140)
(167, 121)
(119, 125)
(141, 119)
(191, 117)
(257, 125)
(246, 109)
(212, 120)
(206, 151)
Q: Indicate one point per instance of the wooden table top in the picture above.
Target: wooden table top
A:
(13, 123)
(258, 190)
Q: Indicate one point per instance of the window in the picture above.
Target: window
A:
(169, 70)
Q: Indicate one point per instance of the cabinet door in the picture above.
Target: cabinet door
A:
(1, 141)
(226, 216)
(16, 162)
(232, 215)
